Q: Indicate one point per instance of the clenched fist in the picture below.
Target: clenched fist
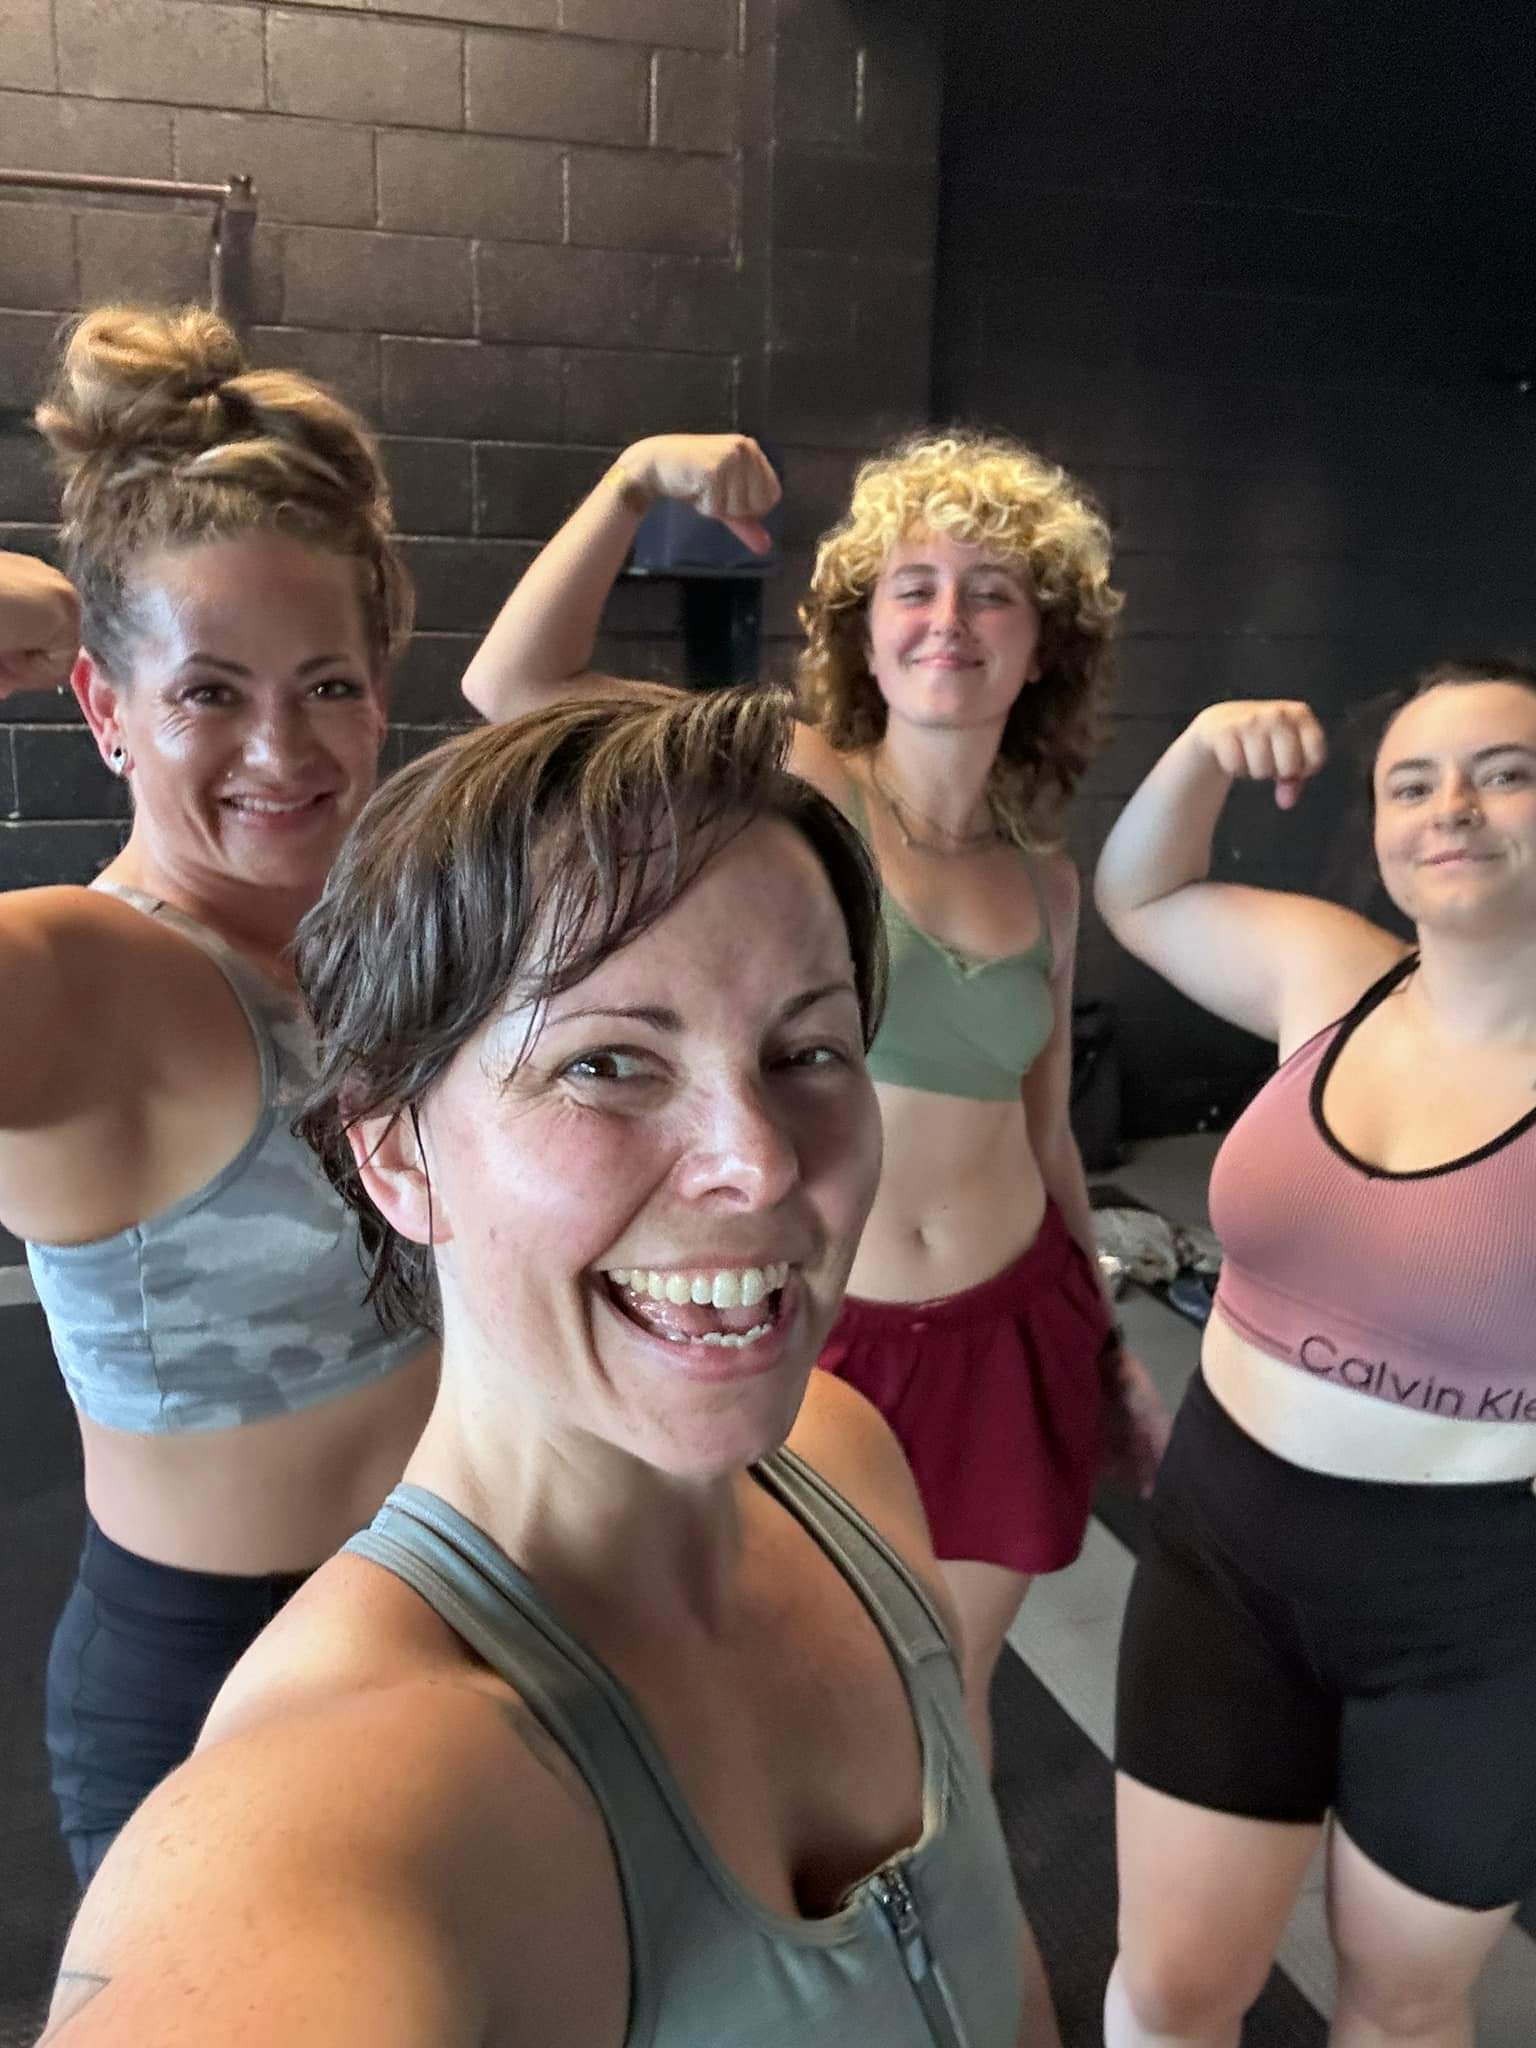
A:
(1277, 742)
(724, 476)
(39, 625)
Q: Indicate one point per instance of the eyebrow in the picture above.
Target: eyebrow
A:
(976, 569)
(663, 1019)
(1482, 754)
(236, 668)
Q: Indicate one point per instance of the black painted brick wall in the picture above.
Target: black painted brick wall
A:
(1262, 276)
(840, 126)
(508, 230)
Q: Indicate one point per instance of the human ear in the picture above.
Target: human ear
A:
(392, 1166)
(99, 699)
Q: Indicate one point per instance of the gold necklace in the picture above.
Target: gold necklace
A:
(958, 843)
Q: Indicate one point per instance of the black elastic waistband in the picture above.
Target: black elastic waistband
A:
(1211, 1420)
(113, 1573)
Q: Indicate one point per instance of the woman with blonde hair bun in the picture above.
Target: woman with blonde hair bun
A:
(242, 1409)
(959, 624)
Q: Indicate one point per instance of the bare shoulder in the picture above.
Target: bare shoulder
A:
(845, 1439)
(1335, 956)
(73, 923)
(813, 757)
(80, 982)
(96, 944)
(355, 1631)
(115, 1023)
(401, 1865)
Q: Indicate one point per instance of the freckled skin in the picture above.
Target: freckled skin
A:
(733, 1140)
(953, 634)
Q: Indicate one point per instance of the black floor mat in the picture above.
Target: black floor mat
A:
(1055, 1791)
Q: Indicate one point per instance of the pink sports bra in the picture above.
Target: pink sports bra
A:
(1418, 1288)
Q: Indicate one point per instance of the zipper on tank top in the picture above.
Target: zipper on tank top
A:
(893, 1895)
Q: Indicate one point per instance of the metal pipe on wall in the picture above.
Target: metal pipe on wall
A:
(230, 243)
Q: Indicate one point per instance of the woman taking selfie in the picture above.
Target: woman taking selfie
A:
(625, 1723)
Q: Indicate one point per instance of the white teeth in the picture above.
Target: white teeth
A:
(726, 1289)
(724, 1341)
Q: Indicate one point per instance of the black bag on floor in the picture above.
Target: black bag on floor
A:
(1096, 1086)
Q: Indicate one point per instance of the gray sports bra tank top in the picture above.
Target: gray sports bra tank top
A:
(923, 1953)
(245, 1300)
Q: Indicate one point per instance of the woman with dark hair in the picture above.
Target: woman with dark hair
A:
(626, 1723)
(952, 693)
(1333, 1612)
(241, 1410)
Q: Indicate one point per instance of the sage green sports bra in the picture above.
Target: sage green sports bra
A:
(960, 1023)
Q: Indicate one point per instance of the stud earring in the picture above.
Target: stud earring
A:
(117, 760)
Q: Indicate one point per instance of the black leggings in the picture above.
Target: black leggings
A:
(1295, 1643)
(138, 1655)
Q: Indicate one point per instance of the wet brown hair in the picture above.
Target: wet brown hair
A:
(164, 437)
(513, 861)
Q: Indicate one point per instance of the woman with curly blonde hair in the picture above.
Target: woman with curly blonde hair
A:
(959, 625)
(233, 600)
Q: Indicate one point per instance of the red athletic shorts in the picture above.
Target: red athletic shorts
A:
(996, 1397)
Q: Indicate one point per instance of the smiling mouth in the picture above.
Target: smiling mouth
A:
(275, 807)
(726, 1308)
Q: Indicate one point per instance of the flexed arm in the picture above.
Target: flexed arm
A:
(39, 639)
(540, 647)
(1261, 958)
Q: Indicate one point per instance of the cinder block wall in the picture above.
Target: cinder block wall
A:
(509, 232)
(517, 234)
(1263, 276)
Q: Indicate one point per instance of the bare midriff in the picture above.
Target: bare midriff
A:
(274, 1496)
(960, 1197)
(1326, 1428)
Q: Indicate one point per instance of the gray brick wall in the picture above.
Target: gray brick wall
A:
(509, 231)
(1264, 285)
(516, 234)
